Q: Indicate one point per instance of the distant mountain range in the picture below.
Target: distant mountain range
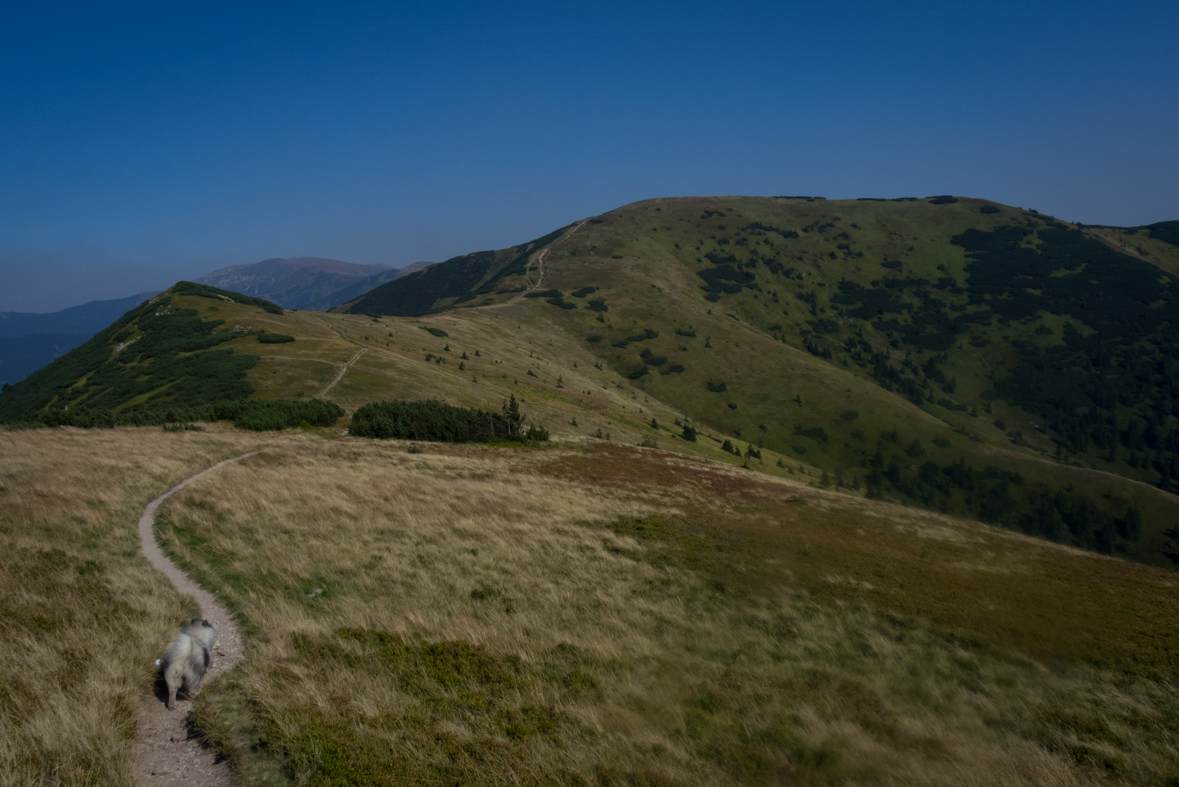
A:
(307, 283)
(29, 341)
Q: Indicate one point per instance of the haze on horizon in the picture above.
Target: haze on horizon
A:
(145, 144)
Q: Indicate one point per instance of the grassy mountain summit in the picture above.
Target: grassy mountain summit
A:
(937, 331)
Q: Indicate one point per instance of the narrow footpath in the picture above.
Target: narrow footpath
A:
(163, 754)
(340, 376)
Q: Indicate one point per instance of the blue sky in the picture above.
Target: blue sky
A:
(145, 143)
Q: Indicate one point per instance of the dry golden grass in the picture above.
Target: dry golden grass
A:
(606, 616)
(82, 614)
(619, 616)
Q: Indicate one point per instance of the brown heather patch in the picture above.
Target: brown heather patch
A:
(614, 466)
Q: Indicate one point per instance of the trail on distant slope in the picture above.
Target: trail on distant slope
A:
(340, 376)
(540, 260)
(162, 754)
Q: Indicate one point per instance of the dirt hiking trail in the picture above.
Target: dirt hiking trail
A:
(163, 753)
(340, 376)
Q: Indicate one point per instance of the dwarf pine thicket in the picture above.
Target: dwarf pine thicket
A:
(436, 421)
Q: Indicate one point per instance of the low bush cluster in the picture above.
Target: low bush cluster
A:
(440, 422)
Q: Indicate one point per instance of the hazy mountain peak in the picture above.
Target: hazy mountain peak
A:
(314, 283)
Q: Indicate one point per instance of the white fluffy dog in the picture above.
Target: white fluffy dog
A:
(186, 658)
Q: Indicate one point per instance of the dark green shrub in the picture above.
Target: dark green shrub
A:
(544, 294)
(593, 339)
(441, 334)
(815, 433)
(274, 338)
(945, 199)
(651, 359)
(439, 422)
(637, 373)
(597, 305)
(988, 209)
(717, 387)
(689, 433)
(584, 291)
(275, 415)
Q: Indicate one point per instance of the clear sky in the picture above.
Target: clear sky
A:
(145, 143)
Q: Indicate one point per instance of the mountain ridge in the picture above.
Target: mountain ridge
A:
(308, 283)
(872, 346)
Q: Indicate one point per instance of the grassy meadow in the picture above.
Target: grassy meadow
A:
(82, 614)
(610, 615)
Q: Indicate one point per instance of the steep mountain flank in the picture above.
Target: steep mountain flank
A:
(483, 275)
(161, 353)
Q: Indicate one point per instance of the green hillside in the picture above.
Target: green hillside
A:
(157, 353)
(461, 280)
(946, 353)
(959, 354)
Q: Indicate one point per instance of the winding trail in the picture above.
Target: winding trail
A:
(163, 754)
(540, 260)
(340, 376)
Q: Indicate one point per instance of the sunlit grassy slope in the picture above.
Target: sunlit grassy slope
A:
(82, 614)
(585, 614)
(886, 342)
(743, 317)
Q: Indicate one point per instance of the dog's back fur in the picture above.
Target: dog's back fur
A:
(187, 658)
